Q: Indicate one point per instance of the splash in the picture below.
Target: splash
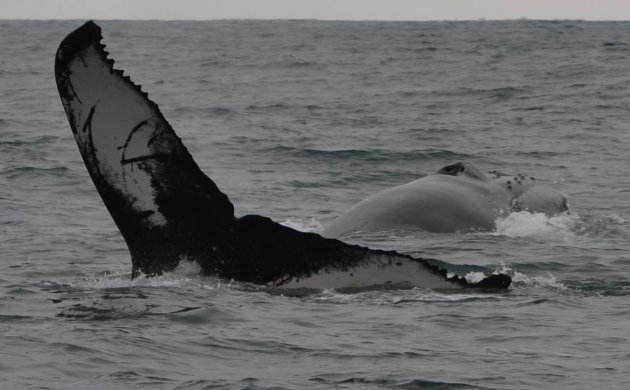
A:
(185, 275)
(548, 281)
(475, 276)
(537, 225)
(395, 297)
(519, 279)
(311, 225)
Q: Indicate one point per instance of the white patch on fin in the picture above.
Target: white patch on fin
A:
(379, 270)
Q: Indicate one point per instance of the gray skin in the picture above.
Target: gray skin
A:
(459, 197)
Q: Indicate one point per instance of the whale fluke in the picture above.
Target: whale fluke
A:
(167, 209)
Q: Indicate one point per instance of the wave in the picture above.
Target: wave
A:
(371, 155)
(394, 296)
(311, 225)
(185, 275)
(34, 140)
(363, 382)
(58, 171)
(496, 94)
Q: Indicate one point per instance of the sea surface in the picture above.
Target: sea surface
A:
(298, 121)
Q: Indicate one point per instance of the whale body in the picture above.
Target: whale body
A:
(168, 210)
(459, 197)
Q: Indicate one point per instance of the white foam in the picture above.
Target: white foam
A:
(617, 219)
(520, 279)
(393, 297)
(475, 277)
(538, 225)
(185, 275)
(312, 225)
(548, 281)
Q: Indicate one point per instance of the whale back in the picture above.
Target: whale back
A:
(458, 197)
(463, 169)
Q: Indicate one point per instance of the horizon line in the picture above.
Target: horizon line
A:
(319, 19)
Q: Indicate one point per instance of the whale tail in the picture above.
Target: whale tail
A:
(167, 209)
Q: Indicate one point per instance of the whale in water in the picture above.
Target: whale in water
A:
(459, 197)
(167, 209)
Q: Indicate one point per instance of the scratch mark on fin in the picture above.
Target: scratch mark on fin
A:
(69, 87)
(88, 122)
(131, 133)
(82, 60)
(144, 158)
(87, 127)
(154, 138)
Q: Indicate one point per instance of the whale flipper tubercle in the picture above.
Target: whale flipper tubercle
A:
(167, 209)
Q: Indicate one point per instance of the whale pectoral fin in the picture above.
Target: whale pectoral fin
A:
(266, 252)
(157, 195)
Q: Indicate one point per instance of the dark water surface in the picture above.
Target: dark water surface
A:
(298, 120)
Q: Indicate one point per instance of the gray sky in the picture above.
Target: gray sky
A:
(316, 9)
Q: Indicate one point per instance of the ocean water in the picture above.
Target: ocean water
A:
(299, 120)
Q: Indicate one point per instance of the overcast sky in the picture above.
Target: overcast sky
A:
(316, 9)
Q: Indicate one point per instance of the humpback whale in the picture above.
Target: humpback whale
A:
(459, 197)
(168, 210)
